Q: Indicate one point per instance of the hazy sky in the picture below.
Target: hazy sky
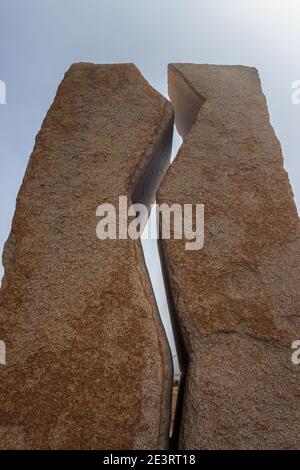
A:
(39, 39)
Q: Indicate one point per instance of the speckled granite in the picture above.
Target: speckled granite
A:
(88, 364)
(237, 300)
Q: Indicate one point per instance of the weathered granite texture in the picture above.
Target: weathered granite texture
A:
(88, 364)
(237, 300)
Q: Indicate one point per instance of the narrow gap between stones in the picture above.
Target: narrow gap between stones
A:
(165, 306)
(187, 104)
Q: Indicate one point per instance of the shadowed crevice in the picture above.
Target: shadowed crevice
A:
(182, 353)
(187, 104)
(145, 183)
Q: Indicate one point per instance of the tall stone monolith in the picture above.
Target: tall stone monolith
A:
(237, 300)
(87, 361)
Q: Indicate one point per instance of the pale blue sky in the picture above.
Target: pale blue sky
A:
(39, 39)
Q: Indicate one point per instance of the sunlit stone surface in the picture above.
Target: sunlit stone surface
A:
(87, 362)
(237, 300)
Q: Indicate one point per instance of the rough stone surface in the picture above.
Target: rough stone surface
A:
(88, 365)
(237, 300)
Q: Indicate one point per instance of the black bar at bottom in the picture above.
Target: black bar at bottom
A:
(133, 459)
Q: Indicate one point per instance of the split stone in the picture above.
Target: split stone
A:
(237, 300)
(87, 361)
